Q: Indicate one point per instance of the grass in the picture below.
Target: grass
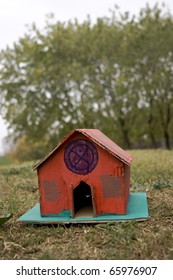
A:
(152, 171)
(4, 160)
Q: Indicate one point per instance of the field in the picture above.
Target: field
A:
(152, 171)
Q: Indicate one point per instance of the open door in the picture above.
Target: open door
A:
(82, 201)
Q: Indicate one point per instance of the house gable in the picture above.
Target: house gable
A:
(95, 136)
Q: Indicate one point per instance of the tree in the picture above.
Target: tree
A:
(154, 71)
(115, 75)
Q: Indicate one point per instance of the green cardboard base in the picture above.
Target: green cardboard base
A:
(137, 209)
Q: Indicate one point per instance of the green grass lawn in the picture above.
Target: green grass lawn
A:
(152, 171)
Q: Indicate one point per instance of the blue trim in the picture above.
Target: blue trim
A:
(64, 213)
(137, 209)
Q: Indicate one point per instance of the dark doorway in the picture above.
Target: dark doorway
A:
(82, 197)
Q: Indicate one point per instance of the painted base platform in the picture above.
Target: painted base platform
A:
(137, 210)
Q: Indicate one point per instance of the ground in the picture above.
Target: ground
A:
(151, 239)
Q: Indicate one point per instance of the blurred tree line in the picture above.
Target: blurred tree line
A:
(114, 75)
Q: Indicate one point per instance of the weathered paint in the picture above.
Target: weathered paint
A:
(111, 186)
(54, 174)
(50, 190)
(64, 214)
(127, 181)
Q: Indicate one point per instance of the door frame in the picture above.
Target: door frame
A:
(92, 197)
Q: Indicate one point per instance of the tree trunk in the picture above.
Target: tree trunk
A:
(150, 124)
(167, 139)
(125, 133)
(151, 134)
(165, 124)
(126, 139)
(153, 140)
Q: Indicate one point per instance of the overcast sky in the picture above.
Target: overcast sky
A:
(16, 14)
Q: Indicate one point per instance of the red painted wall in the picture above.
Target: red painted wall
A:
(107, 181)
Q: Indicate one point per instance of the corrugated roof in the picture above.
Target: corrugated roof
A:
(97, 137)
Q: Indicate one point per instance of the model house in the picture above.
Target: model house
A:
(85, 175)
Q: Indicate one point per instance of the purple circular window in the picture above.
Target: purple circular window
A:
(81, 156)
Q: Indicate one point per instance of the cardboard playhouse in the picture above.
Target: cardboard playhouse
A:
(86, 178)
